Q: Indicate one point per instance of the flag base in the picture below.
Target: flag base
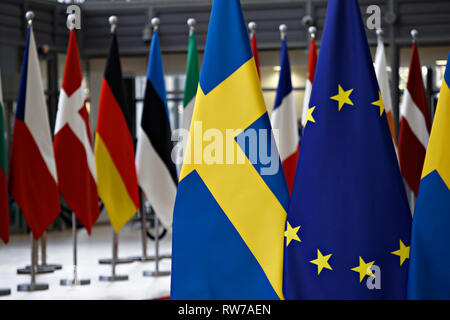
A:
(5, 292)
(150, 258)
(113, 278)
(54, 266)
(40, 269)
(32, 287)
(74, 282)
(156, 273)
(118, 261)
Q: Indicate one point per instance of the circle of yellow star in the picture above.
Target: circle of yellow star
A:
(291, 234)
(322, 261)
(379, 103)
(403, 252)
(363, 269)
(343, 97)
(309, 116)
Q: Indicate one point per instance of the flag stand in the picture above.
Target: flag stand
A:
(114, 276)
(43, 267)
(33, 286)
(75, 281)
(157, 272)
(144, 257)
(5, 292)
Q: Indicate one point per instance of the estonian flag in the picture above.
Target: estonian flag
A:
(156, 170)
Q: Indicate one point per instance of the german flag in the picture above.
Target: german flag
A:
(114, 149)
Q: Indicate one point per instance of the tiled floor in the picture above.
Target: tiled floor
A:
(90, 249)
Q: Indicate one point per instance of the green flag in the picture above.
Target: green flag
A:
(192, 77)
(4, 209)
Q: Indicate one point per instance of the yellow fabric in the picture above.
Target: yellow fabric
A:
(438, 152)
(111, 189)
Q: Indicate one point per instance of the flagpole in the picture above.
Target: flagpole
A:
(114, 276)
(252, 28)
(75, 281)
(115, 240)
(33, 286)
(143, 210)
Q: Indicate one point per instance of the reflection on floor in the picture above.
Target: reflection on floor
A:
(90, 249)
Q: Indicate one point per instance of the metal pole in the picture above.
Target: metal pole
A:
(156, 273)
(75, 281)
(33, 286)
(114, 276)
(143, 210)
(44, 254)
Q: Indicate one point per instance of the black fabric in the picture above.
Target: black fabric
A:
(113, 75)
(155, 124)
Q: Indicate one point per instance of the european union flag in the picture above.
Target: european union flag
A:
(229, 217)
(348, 225)
(428, 271)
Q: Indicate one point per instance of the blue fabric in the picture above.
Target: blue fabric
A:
(348, 195)
(227, 45)
(232, 274)
(428, 274)
(284, 82)
(20, 110)
(155, 73)
(447, 71)
(263, 156)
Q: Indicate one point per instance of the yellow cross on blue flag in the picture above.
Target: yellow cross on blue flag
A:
(232, 197)
(348, 224)
(428, 270)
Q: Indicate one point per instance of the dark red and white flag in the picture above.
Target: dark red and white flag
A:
(73, 145)
(415, 125)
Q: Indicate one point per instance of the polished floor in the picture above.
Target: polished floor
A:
(90, 249)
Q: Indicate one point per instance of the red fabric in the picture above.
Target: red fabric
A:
(289, 167)
(72, 71)
(4, 208)
(113, 130)
(255, 53)
(312, 61)
(76, 182)
(31, 183)
(411, 151)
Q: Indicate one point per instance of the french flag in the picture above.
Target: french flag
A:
(33, 179)
(284, 119)
(312, 63)
(73, 144)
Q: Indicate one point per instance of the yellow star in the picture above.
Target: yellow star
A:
(321, 261)
(364, 269)
(309, 116)
(379, 103)
(403, 252)
(343, 97)
(291, 234)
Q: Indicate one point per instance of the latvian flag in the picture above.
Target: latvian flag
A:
(284, 119)
(114, 148)
(4, 204)
(33, 179)
(312, 62)
(415, 125)
(72, 144)
(156, 170)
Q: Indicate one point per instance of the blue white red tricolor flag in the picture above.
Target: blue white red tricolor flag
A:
(33, 179)
(284, 119)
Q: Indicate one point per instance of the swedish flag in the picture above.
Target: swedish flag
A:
(428, 271)
(348, 225)
(230, 208)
